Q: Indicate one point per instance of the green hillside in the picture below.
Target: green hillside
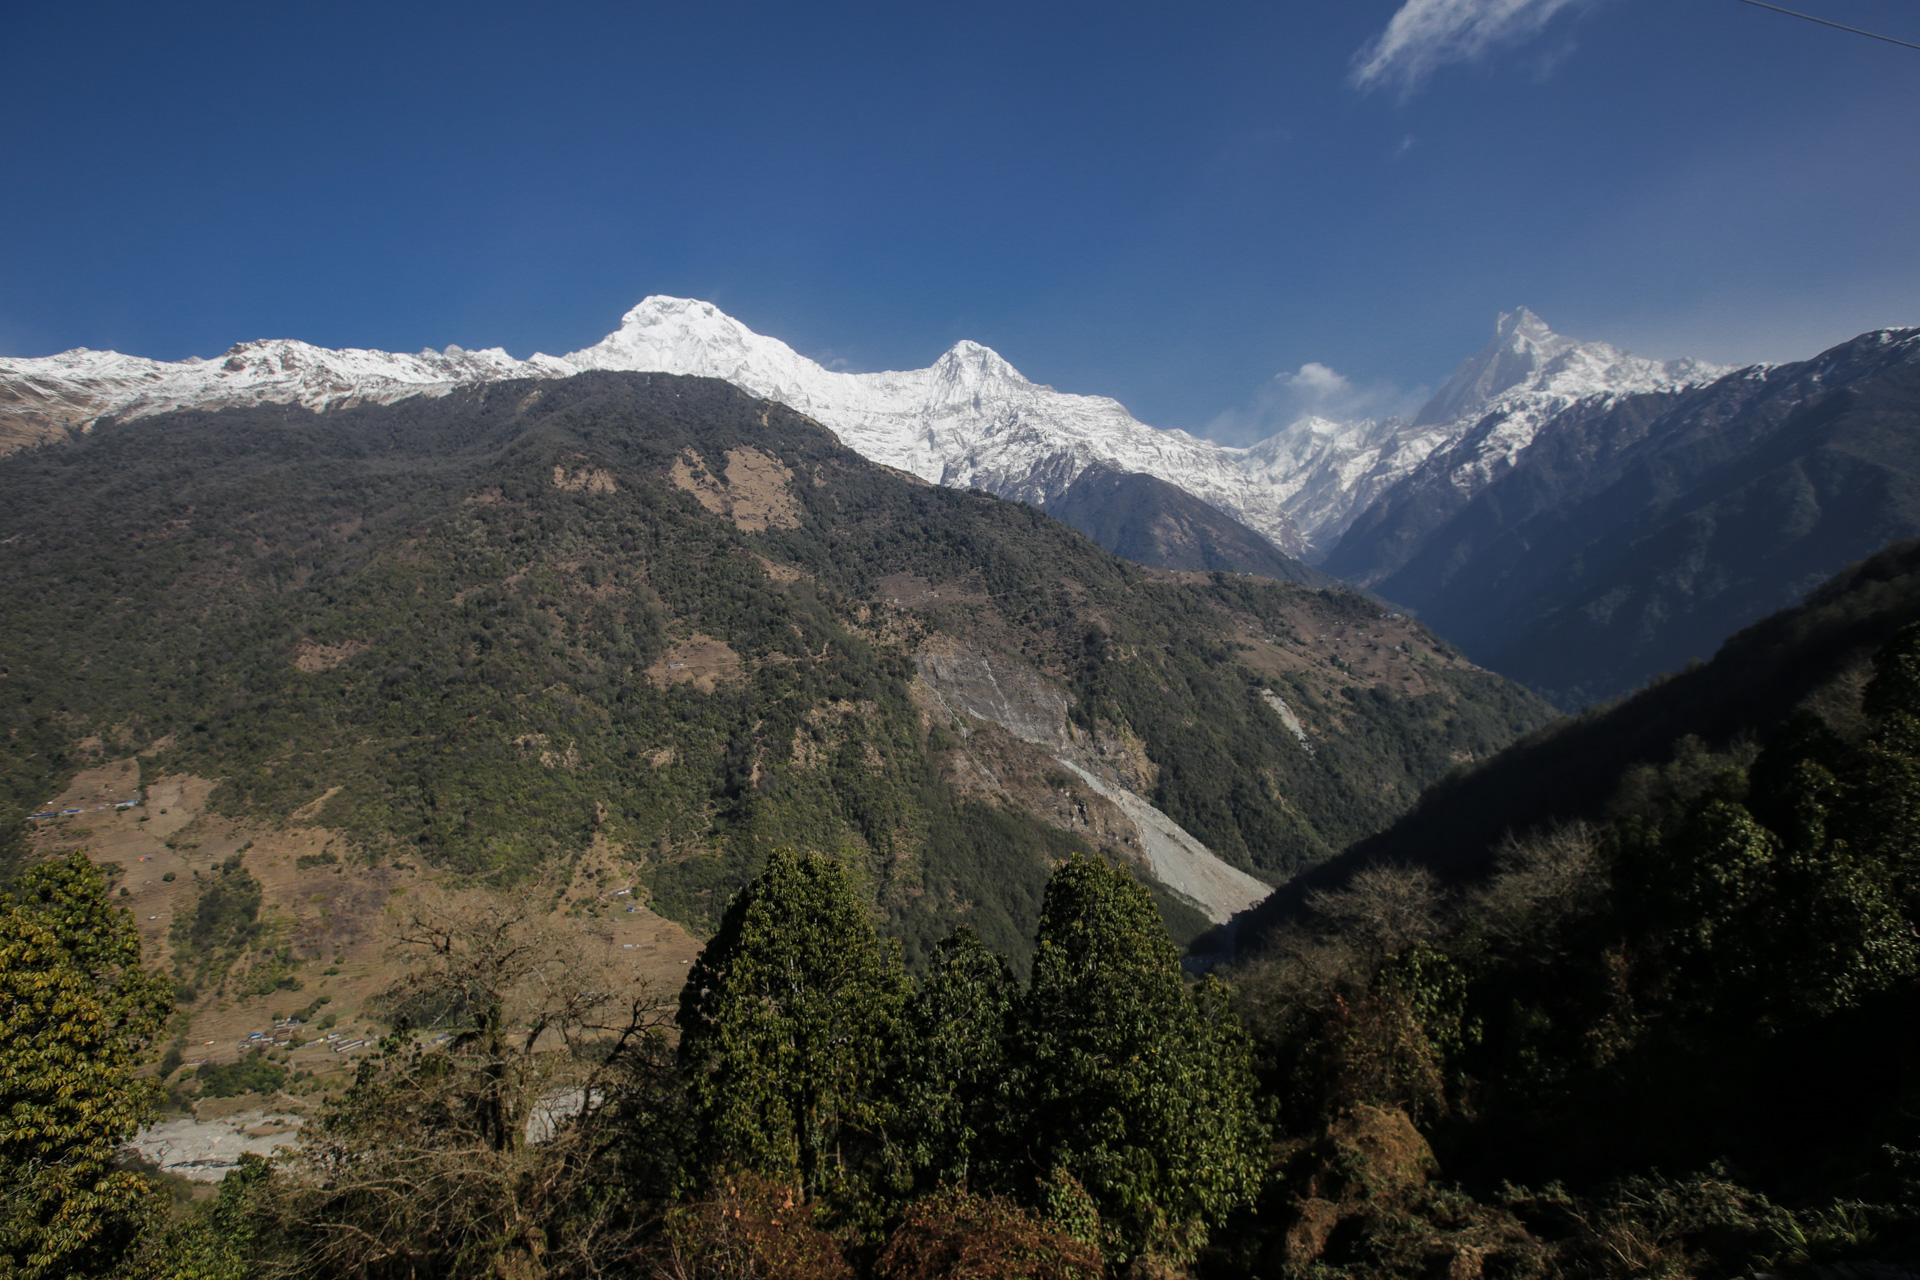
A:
(483, 630)
(1587, 768)
(1638, 996)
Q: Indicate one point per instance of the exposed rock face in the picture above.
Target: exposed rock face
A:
(969, 683)
(208, 1150)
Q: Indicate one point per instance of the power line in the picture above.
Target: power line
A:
(1871, 35)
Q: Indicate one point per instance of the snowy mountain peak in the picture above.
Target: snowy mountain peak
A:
(1522, 346)
(968, 364)
(1528, 361)
(1328, 472)
(683, 335)
(970, 419)
(1520, 328)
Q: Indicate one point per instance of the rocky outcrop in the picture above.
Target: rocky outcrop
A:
(973, 685)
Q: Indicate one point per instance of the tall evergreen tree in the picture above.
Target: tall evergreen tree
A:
(787, 1022)
(1125, 1080)
(951, 1084)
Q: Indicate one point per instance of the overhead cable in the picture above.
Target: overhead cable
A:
(1838, 26)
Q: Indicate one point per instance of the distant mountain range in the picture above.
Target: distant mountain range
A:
(1635, 533)
(1573, 515)
(970, 420)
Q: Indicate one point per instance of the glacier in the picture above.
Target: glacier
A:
(968, 420)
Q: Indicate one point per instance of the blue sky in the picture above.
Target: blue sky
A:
(1177, 205)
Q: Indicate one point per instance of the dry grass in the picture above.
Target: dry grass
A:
(334, 915)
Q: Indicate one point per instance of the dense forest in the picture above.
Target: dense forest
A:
(1678, 1042)
(1636, 995)
(482, 631)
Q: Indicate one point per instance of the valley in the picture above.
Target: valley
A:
(492, 631)
(960, 642)
(389, 712)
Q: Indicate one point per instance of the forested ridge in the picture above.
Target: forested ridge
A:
(1676, 1042)
(487, 629)
(1636, 996)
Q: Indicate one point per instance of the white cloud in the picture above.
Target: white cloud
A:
(1313, 391)
(1316, 383)
(1426, 34)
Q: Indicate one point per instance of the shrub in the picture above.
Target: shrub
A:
(956, 1235)
(251, 1074)
(750, 1227)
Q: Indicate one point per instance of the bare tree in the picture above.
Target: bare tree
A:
(1333, 954)
(1540, 882)
(1383, 910)
(493, 1134)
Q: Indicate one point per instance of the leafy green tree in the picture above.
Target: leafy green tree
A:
(1137, 1088)
(1717, 869)
(1778, 924)
(951, 1087)
(787, 1023)
(77, 1014)
(1835, 934)
(251, 1074)
(214, 1241)
(1883, 816)
(1834, 931)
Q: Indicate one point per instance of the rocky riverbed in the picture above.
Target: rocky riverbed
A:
(204, 1150)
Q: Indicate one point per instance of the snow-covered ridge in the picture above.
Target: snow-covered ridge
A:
(1528, 375)
(969, 420)
(1329, 472)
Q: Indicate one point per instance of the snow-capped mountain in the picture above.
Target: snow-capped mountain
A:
(1528, 374)
(1636, 532)
(39, 397)
(1327, 473)
(969, 420)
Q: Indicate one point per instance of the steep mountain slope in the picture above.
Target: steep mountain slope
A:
(1814, 656)
(1682, 934)
(1635, 534)
(970, 420)
(1156, 524)
(658, 621)
(1337, 476)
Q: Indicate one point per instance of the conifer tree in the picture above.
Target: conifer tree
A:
(787, 1022)
(1126, 1081)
